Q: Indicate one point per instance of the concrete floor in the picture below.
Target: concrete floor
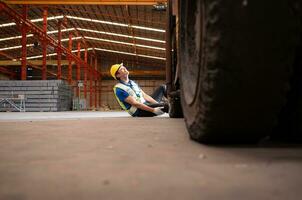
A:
(91, 158)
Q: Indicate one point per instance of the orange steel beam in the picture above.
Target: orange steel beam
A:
(28, 62)
(86, 2)
(91, 79)
(96, 84)
(17, 62)
(140, 73)
(85, 73)
(106, 15)
(90, 88)
(131, 31)
(8, 72)
(59, 54)
(44, 44)
(69, 59)
(23, 42)
(38, 31)
(78, 71)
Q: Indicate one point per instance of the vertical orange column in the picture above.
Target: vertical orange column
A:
(96, 83)
(44, 45)
(90, 86)
(69, 60)
(93, 77)
(23, 42)
(78, 75)
(85, 74)
(59, 53)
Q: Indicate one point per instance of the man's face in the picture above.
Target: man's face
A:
(122, 72)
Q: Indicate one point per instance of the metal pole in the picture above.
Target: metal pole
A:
(90, 87)
(168, 47)
(78, 75)
(59, 52)
(85, 74)
(23, 42)
(69, 60)
(97, 85)
(44, 45)
(91, 64)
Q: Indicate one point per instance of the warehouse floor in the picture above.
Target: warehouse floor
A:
(93, 156)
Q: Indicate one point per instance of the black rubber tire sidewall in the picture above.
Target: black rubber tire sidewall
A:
(245, 62)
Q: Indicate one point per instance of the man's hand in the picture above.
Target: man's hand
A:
(158, 111)
(137, 104)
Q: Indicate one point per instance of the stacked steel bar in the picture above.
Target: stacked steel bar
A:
(40, 95)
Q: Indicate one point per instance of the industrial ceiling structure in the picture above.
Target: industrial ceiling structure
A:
(81, 33)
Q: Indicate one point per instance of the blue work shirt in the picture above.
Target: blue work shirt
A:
(122, 95)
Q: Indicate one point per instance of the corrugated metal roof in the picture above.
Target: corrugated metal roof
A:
(128, 33)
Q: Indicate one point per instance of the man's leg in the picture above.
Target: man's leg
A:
(143, 113)
(158, 94)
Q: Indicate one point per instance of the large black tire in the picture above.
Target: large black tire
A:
(235, 59)
(290, 120)
(175, 110)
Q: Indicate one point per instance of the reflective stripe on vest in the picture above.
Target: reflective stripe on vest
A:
(135, 93)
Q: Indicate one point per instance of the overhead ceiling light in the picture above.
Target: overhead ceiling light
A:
(48, 18)
(99, 49)
(91, 38)
(132, 54)
(63, 30)
(31, 35)
(33, 20)
(125, 43)
(13, 38)
(91, 31)
(115, 23)
(88, 49)
(15, 47)
(66, 39)
(160, 6)
(40, 56)
(90, 20)
(121, 35)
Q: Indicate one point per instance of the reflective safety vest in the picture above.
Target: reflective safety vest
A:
(134, 92)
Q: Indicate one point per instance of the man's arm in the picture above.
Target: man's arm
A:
(139, 105)
(148, 98)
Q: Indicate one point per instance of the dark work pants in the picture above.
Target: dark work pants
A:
(158, 95)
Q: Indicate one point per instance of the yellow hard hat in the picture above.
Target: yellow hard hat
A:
(114, 69)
